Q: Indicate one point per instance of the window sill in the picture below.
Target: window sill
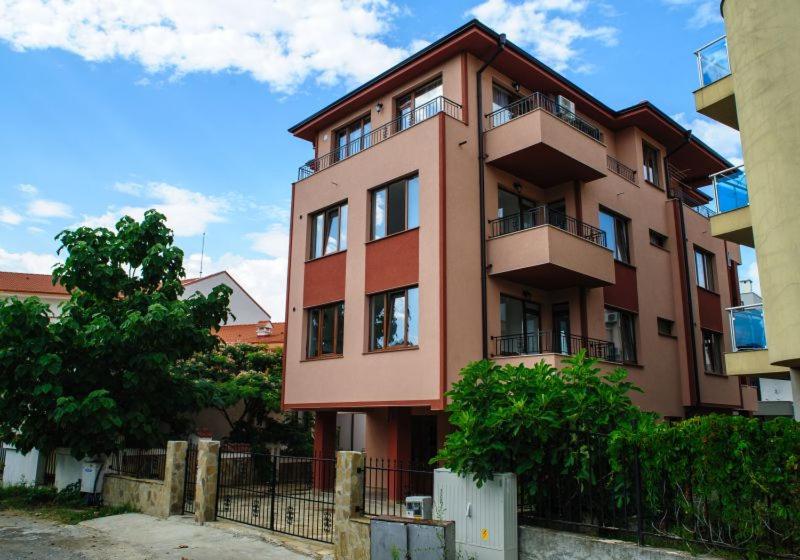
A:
(391, 349)
(660, 247)
(326, 256)
(715, 374)
(625, 264)
(322, 358)
(390, 235)
(654, 185)
(665, 335)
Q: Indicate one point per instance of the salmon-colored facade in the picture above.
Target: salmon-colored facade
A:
(570, 245)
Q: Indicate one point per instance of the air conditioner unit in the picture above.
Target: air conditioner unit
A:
(567, 104)
(612, 318)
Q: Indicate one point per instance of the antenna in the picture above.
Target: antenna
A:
(202, 254)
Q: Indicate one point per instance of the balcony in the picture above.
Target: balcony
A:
(380, 134)
(548, 250)
(749, 343)
(552, 342)
(732, 220)
(540, 141)
(715, 98)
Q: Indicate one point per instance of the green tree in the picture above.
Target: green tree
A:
(99, 377)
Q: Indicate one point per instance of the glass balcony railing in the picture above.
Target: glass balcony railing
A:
(747, 327)
(712, 61)
(730, 189)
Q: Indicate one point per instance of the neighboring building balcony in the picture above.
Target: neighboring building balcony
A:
(749, 343)
(541, 141)
(732, 220)
(381, 134)
(548, 250)
(715, 98)
(552, 342)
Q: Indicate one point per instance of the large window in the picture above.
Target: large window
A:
(394, 319)
(395, 208)
(329, 231)
(414, 107)
(502, 98)
(325, 330)
(650, 168)
(712, 352)
(704, 263)
(519, 327)
(616, 228)
(621, 330)
(353, 138)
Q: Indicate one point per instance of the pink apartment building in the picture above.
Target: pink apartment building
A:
(472, 203)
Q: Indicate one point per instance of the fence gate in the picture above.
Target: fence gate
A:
(190, 479)
(292, 495)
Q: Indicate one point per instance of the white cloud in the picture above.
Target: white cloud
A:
(723, 139)
(703, 12)
(549, 27)
(43, 208)
(28, 189)
(274, 242)
(40, 263)
(264, 279)
(280, 42)
(188, 212)
(9, 217)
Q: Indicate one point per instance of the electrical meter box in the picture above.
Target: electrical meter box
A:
(419, 507)
(486, 517)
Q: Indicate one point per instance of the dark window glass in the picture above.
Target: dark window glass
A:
(665, 326)
(325, 330)
(712, 352)
(520, 327)
(616, 229)
(396, 216)
(704, 265)
(621, 331)
(352, 138)
(658, 239)
(394, 319)
(313, 333)
(650, 168)
(378, 320)
(395, 208)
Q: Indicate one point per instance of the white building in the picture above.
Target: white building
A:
(244, 309)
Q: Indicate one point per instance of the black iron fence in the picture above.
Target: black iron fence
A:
(388, 483)
(616, 166)
(49, 477)
(542, 215)
(538, 100)
(141, 463)
(558, 342)
(371, 138)
(292, 495)
(190, 479)
(577, 489)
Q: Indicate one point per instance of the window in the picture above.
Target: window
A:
(621, 331)
(704, 263)
(712, 352)
(515, 210)
(502, 98)
(395, 208)
(353, 138)
(325, 331)
(650, 168)
(658, 239)
(394, 319)
(616, 229)
(329, 231)
(418, 105)
(665, 326)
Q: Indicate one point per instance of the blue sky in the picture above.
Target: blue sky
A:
(109, 107)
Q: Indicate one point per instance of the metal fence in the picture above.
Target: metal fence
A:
(388, 483)
(577, 490)
(292, 495)
(190, 479)
(141, 463)
(559, 342)
(49, 477)
(542, 215)
(616, 166)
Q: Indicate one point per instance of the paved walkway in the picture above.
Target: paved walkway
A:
(130, 537)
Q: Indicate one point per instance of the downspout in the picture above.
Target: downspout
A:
(501, 43)
(687, 278)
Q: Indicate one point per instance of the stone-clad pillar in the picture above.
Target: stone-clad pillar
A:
(175, 475)
(205, 495)
(350, 539)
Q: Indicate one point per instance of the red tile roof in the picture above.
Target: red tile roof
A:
(23, 282)
(248, 333)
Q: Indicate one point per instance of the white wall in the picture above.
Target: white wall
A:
(243, 307)
(776, 389)
(352, 428)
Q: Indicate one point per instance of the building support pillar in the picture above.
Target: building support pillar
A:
(324, 448)
(794, 376)
(399, 448)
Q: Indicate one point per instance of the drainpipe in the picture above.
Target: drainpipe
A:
(501, 43)
(687, 278)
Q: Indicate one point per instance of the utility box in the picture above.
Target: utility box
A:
(486, 517)
(419, 507)
(400, 538)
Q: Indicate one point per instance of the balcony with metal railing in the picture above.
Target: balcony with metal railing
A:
(392, 128)
(541, 141)
(553, 342)
(749, 355)
(715, 97)
(712, 61)
(732, 221)
(542, 215)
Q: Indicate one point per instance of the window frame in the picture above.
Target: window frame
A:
(386, 299)
(647, 171)
(361, 121)
(409, 99)
(660, 237)
(312, 220)
(625, 222)
(337, 342)
(717, 366)
(385, 188)
(667, 322)
(631, 357)
(709, 273)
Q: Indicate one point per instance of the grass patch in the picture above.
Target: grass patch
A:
(66, 506)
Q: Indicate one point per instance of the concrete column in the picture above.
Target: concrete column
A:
(324, 447)
(350, 539)
(399, 448)
(205, 494)
(175, 475)
(794, 376)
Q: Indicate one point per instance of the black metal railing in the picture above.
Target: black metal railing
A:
(690, 201)
(616, 166)
(141, 463)
(539, 100)
(554, 342)
(542, 215)
(190, 479)
(49, 477)
(388, 483)
(291, 495)
(403, 122)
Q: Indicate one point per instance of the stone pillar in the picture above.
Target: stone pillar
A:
(350, 529)
(205, 494)
(175, 475)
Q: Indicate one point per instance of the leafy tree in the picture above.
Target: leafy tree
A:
(99, 377)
